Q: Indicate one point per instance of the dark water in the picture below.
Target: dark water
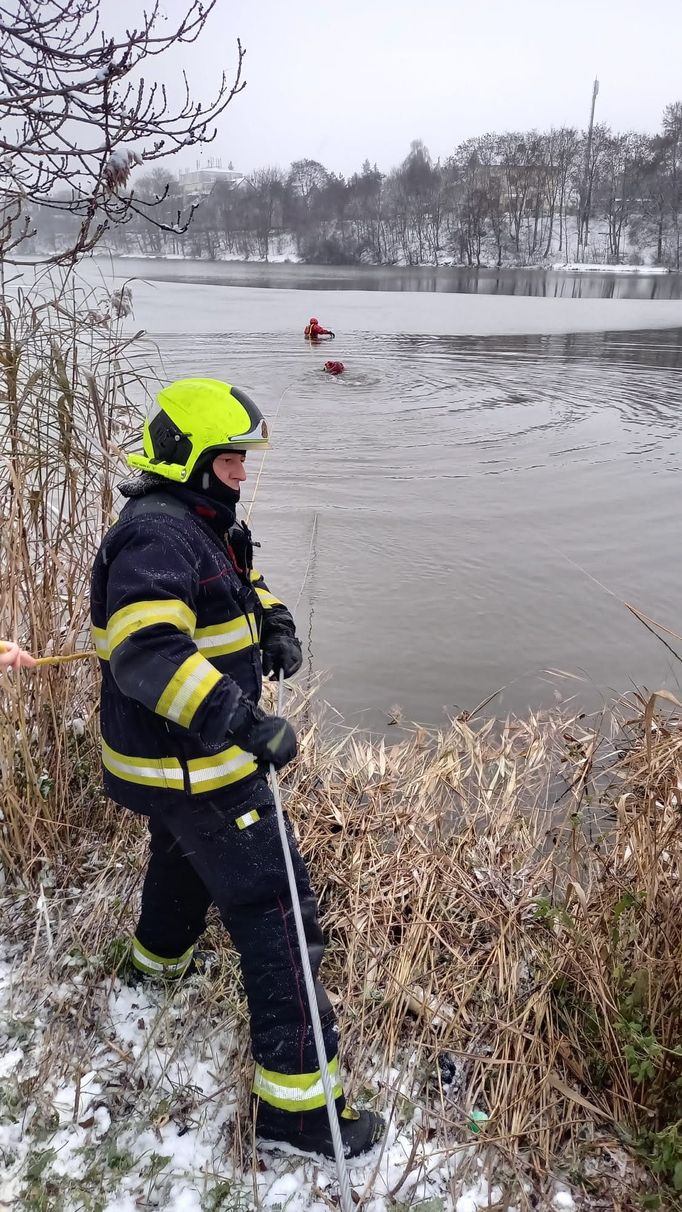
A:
(536, 283)
(457, 515)
(455, 520)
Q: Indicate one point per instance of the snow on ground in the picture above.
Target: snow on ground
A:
(145, 1110)
(117, 1098)
(274, 258)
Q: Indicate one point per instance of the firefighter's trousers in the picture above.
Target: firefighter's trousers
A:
(208, 853)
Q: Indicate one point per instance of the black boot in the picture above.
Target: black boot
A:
(309, 1132)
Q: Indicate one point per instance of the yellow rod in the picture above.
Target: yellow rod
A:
(56, 660)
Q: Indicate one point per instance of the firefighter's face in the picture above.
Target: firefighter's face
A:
(230, 469)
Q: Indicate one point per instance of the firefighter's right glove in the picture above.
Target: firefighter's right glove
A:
(332, 334)
(269, 738)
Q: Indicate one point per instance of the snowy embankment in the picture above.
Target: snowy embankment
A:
(578, 267)
(120, 1098)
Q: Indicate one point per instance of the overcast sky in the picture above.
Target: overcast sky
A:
(342, 81)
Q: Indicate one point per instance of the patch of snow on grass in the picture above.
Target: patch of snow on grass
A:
(563, 1201)
(139, 1095)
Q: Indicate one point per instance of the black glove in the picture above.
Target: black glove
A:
(281, 652)
(269, 738)
(332, 334)
(240, 541)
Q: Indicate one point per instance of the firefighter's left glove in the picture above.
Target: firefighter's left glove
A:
(269, 738)
(282, 653)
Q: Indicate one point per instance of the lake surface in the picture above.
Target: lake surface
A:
(469, 506)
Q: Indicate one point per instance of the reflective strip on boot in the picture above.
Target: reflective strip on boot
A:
(159, 965)
(295, 1091)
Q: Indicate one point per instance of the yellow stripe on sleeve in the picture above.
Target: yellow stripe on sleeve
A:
(187, 689)
(138, 615)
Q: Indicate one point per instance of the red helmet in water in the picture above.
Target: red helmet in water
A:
(313, 320)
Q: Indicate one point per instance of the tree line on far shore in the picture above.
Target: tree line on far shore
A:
(518, 198)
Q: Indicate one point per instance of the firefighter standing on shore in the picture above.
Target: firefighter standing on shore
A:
(185, 627)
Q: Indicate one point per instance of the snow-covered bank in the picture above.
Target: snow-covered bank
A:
(290, 257)
(130, 1097)
(579, 267)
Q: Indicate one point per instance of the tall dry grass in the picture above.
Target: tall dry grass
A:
(70, 383)
(510, 896)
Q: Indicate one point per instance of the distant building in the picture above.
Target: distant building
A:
(200, 181)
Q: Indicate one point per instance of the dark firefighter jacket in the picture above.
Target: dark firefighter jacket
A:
(177, 629)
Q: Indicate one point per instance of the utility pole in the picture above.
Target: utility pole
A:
(586, 192)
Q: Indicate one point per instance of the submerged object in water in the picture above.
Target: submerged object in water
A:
(334, 368)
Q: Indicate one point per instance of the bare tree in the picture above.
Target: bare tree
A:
(77, 112)
(367, 213)
(596, 146)
(419, 181)
(560, 159)
(650, 222)
(519, 155)
(467, 219)
(621, 188)
(672, 137)
(267, 188)
(307, 177)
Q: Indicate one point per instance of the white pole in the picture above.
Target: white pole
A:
(344, 1183)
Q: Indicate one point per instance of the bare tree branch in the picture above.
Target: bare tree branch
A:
(77, 114)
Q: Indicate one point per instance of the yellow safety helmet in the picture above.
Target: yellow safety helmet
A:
(194, 417)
